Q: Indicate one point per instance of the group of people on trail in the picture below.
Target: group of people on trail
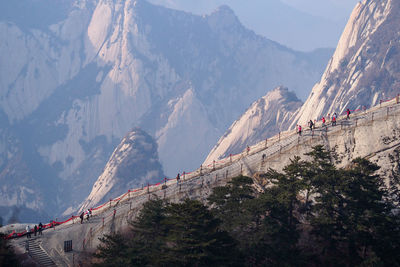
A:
(36, 229)
(333, 119)
(88, 215)
(312, 124)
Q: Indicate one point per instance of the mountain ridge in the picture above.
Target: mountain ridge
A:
(363, 68)
(263, 119)
(106, 68)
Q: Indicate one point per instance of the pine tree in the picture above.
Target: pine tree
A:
(230, 204)
(195, 237)
(144, 245)
(279, 234)
(372, 226)
(113, 251)
(148, 244)
(351, 216)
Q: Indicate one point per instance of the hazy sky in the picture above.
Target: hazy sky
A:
(335, 10)
(299, 24)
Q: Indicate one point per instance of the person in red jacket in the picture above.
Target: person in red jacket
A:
(333, 121)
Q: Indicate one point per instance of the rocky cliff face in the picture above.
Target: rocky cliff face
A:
(363, 70)
(73, 83)
(365, 67)
(133, 163)
(266, 117)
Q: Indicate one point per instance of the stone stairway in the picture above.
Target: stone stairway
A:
(34, 249)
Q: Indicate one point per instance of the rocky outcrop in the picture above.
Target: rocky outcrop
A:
(266, 117)
(133, 163)
(364, 68)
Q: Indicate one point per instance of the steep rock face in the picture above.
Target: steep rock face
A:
(264, 118)
(365, 67)
(134, 162)
(74, 84)
(188, 113)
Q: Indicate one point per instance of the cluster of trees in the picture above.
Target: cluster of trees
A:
(311, 214)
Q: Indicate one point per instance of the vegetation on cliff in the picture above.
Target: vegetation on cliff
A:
(311, 214)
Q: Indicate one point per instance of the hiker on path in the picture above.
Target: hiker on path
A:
(28, 231)
(299, 129)
(348, 114)
(35, 229)
(87, 214)
(323, 121)
(178, 178)
(40, 228)
(81, 216)
(333, 121)
(311, 124)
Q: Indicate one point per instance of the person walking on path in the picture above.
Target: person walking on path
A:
(348, 114)
(311, 124)
(40, 228)
(35, 229)
(81, 216)
(178, 178)
(323, 121)
(299, 129)
(28, 231)
(333, 121)
(87, 215)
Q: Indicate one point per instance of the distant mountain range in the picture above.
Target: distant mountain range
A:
(299, 24)
(77, 76)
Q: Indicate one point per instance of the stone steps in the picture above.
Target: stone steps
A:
(37, 253)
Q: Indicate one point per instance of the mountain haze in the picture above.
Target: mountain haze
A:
(303, 25)
(75, 80)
